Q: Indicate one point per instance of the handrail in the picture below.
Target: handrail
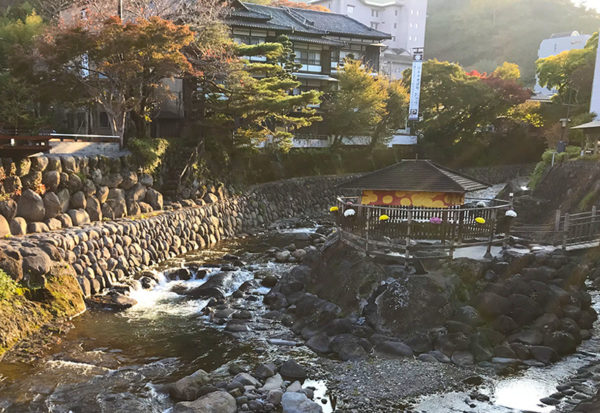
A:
(503, 204)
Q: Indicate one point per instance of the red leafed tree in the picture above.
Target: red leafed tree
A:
(118, 66)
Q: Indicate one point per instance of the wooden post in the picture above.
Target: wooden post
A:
(367, 219)
(461, 220)
(407, 247)
(593, 223)
(488, 251)
(556, 226)
(565, 232)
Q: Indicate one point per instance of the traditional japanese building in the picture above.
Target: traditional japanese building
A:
(418, 183)
(321, 40)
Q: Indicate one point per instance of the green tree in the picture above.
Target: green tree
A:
(458, 108)
(486, 33)
(259, 101)
(395, 114)
(571, 73)
(358, 106)
(20, 108)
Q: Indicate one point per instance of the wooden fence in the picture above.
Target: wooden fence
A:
(570, 231)
(418, 231)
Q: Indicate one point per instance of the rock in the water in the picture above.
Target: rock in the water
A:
(189, 388)
(291, 369)
(292, 402)
(264, 371)
(215, 402)
(273, 383)
(394, 348)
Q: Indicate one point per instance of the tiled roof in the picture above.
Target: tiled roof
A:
(303, 21)
(416, 175)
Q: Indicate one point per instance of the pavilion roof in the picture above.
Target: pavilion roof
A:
(416, 175)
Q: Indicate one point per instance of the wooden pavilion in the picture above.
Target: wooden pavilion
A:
(417, 208)
(414, 183)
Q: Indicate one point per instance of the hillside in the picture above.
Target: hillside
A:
(481, 34)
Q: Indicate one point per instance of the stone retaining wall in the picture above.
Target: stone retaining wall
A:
(43, 193)
(107, 253)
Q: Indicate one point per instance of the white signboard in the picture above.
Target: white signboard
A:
(402, 140)
(415, 85)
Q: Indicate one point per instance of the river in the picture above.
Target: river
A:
(117, 362)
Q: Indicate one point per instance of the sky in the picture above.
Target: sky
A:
(595, 4)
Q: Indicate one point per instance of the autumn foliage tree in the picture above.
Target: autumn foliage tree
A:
(119, 66)
(459, 109)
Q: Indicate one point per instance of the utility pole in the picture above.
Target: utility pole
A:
(120, 9)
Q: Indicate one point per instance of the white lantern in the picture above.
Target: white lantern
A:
(349, 213)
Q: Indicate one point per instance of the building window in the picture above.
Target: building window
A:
(416, 25)
(374, 25)
(393, 38)
(396, 12)
(395, 25)
(418, 12)
(350, 9)
(412, 11)
(103, 120)
(309, 59)
(374, 13)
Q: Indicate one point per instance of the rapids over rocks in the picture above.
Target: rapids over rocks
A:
(206, 320)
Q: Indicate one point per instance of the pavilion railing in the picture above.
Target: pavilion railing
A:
(430, 232)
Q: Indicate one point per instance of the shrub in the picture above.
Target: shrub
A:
(148, 153)
(571, 152)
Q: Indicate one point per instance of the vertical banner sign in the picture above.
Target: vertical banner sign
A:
(595, 101)
(415, 85)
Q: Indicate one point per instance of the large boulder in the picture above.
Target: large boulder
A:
(12, 184)
(51, 180)
(31, 206)
(52, 205)
(129, 180)
(292, 370)
(65, 198)
(18, 226)
(154, 198)
(79, 217)
(93, 208)
(136, 193)
(293, 402)
(78, 200)
(215, 402)
(8, 209)
(4, 227)
(39, 163)
(102, 194)
(190, 387)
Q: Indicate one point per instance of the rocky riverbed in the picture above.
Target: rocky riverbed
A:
(237, 329)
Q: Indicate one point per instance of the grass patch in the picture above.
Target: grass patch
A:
(571, 152)
(8, 287)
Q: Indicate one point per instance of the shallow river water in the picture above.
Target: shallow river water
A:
(116, 362)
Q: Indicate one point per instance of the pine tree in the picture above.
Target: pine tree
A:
(259, 101)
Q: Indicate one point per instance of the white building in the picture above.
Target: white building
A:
(404, 20)
(556, 44)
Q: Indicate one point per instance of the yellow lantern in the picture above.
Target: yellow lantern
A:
(384, 218)
(333, 209)
(480, 220)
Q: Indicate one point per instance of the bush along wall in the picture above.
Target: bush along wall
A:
(107, 253)
(45, 193)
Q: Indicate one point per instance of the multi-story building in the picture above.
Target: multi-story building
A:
(321, 40)
(556, 44)
(404, 20)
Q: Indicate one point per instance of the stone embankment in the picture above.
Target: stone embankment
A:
(527, 309)
(45, 193)
(105, 254)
